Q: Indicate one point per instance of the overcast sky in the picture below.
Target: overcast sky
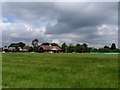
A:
(77, 22)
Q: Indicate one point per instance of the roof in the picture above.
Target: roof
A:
(47, 47)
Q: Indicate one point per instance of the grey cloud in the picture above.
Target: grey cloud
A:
(66, 22)
(29, 11)
(91, 14)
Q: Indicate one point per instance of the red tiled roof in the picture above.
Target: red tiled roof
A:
(46, 47)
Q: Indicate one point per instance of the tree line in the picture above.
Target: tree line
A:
(78, 48)
(83, 48)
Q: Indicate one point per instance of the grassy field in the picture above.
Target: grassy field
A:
(35, 70)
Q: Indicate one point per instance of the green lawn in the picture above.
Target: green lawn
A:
(35, 70)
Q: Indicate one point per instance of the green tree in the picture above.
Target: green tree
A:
(20, 44)
(106, 47)
(71, 48)
(30, 49)
(13, 45)
(78, 48)
(35, 44)
(26, 47)
(54, 44)
(84, 47)
(64, 48)
(113, 46)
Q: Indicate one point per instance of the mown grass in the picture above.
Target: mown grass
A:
(35, 70)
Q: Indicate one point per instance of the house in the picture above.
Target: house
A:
(22, 49)
(12, 49)
(48, 48)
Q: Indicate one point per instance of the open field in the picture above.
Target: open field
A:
(35, 70)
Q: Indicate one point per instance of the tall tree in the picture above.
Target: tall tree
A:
(78, 48)
(85, 47)
(113, 46)
(64, 48)
(71, 48)
(35, 44)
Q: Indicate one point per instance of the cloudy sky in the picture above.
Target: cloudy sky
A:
(72, 22)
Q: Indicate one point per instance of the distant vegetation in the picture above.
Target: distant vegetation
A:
(82, 48)
(78, 48)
